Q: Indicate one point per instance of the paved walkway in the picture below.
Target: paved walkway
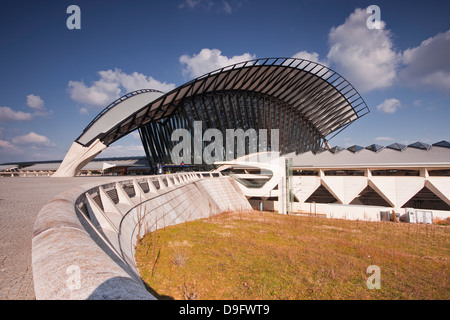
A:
(20, 202)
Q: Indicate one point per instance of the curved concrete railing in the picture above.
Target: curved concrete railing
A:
(84, 239)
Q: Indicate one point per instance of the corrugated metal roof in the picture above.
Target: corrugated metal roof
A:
(417, 155)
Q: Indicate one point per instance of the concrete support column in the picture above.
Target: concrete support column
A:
(424, 173)
(77, 157)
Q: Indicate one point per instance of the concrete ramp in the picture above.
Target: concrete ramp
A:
(84, 239)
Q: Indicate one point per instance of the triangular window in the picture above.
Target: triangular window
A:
(370, 197)
(322, 195)
(426, 199)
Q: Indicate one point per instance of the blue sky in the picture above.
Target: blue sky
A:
(54, 81)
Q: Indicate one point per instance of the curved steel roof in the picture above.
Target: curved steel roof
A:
(318, 93)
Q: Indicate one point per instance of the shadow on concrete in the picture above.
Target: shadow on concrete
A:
(122, 288)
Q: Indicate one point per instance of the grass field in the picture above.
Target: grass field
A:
(255, 255)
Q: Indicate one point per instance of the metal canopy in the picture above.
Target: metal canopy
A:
(318, 94)
(106, 121)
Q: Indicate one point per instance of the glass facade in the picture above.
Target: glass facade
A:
(255, 114)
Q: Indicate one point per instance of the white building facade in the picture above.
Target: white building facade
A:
(356, 183)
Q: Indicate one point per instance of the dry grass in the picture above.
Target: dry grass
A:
(258, 255)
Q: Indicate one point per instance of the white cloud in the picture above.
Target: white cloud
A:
(389, 105)
(192, 4)
(366, 57)
(7, 148)
(311, 56)
(5, 144)
(428, 64)
(417, 103)
(134, 81)
(83, 111)
(35, 102)
(29, 146)
(363, 56)
(226, 6)
(384, 139)
(8, 114)
(111, 85)
(33, 138)
(136, 135)
(99, 94)
(208, 60)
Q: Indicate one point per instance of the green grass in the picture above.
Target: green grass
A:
(256, 255)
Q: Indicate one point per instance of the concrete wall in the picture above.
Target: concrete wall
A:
(395, 190)
(342, 211)
(84, 239)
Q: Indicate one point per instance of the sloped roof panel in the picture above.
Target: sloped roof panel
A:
(318, 93)
(396, 146)
(355, 148)
(419, 145)
(443, 144)
(375, 147)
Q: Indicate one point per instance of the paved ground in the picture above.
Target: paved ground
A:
(20, 202)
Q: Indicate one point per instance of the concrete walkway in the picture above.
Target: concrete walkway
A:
(21, 199)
